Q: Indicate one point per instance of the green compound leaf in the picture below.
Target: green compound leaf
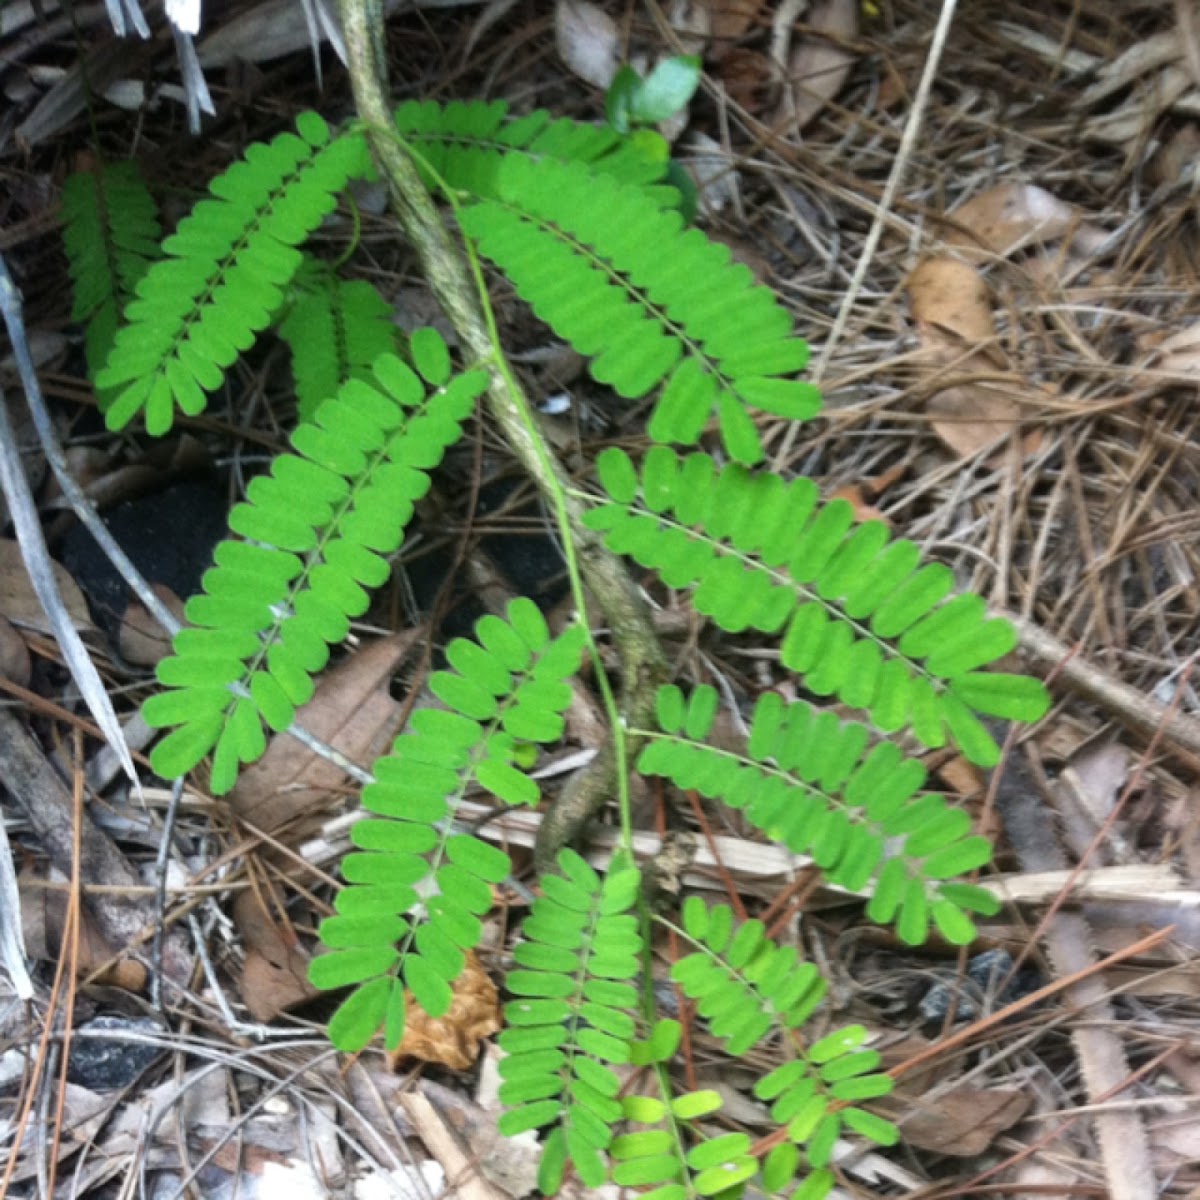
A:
(335, 329)
(579, 933)
(222, 278)
(418, 885)
(818, 786)
(747, 987)
(860, 619)
(316, 528)
(111, 235)
(613, 272)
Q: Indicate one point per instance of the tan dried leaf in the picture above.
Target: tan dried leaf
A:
(970, 418)
(15, 663)
(1013, 215)
(749, 77)
(953, 309)
(864, 510)
(588, 41)
(964, 1121)
(274, 974)
(19, 603)
(731, 20)
(142, 640)
(353, 711)
(453, 1040)
(951, 295)
(820, 63)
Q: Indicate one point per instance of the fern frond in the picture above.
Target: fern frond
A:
(813, 783)
(316, 530)
(747, 986)
(111, 236)
(417, 886)
(649, 302)
(862, 620)
(573, 1014)
(335, 329)
(223, 278)
(462, 144)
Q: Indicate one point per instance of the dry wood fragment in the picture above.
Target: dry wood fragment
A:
(45, 800)
(1132, 708)
(1067, 938)
(462, 1173)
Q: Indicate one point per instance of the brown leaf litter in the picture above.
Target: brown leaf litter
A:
(1014, 388)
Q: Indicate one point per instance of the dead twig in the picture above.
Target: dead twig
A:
(1131, 707)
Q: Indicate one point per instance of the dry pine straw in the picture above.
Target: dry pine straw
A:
(1089, 529)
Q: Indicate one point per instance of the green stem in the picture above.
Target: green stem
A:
(588, 561)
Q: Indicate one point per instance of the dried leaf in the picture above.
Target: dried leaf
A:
(1178, 158)
(15, 664)
(749, 77)
(964, 1121)
(853, 494)
(948, 294)
(453, 1040)
(971, 418)
(1013, 215)
(274, 974)
(820, 63)
(952, 306)
(731, 19)
(588, 41)
(19, 602)
(142, 640)
(353, 711)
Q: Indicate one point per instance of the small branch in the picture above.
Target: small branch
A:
(1131, 707)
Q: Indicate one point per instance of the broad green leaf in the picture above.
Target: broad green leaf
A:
(429, 989)
(488, 862)
(879, 1130)
(1012, 697)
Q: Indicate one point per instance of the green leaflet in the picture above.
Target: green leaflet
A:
(316, 528)
(223, 276)
(861, 620)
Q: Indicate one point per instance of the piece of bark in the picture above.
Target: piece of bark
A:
(124, 920)
(1067, 937)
